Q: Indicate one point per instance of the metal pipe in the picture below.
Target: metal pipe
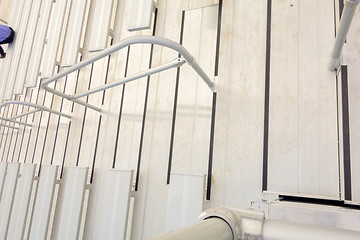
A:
(116, 47)
(209, 229)
(245, 224)
(4, 125)
(280, 230)
(345, 22)
(25, 114)
(175, 63)
(41, 108)
(14, 121)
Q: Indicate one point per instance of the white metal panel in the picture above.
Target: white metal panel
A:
(71, 203)
(39, 42)
(53, 38)
(21, 202)
(28, 43)
(43, 202)
(20, 36)
(185, 200)
(7, 199)
(3, 166)
(100, 28)
(111, 215)
(73, 33)
(140, 15)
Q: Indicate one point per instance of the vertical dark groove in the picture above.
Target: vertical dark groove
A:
(175, 105)
(22, 139)
(58, 123)
(96, 145)
(211, 147)
(145, 108)
(341, 7)
(120, 110)
(6, 138)
(267, 99)
(107, 73)
(4, 128)
(66, 143)
(46, 131)
(346, 132)
(218, 34)
(84, 117)
(76, 85)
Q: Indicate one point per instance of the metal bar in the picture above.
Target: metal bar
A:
(173, 64)
(13, 121)
(25, 114)
(345, 22)
(41, 108)
(127, 42)
(4, 125)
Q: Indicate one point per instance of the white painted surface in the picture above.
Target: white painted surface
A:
(27, 47)
(100, 28)
(3, 167)
(185, 201)
(22, 197)
(302, 98)
(43, 202)
(7, 199)
(140, 15)
(112, 208)
(39, 44)
(73, 33)
(70, 203)
(53, 38)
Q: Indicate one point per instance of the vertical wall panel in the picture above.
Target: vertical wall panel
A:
(353, 60)
(283, 142)
(192, 130)
(100, 30)
(304, 92)
(21, 202)
(73, 33)
(318, 138)
(39, 43)
(28, 43)
(7, 199)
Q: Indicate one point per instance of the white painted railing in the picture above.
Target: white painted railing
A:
(127, 42)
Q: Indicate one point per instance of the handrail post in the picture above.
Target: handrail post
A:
(345, 22)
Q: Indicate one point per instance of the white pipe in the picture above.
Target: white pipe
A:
(175, 63)
(345, 22)
(8, 126)
(279, 230)
(14, 121)
(41, 108)
(209, 229)
(245, 224)
(116, 47)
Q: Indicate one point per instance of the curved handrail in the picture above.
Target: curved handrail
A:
(120, 45)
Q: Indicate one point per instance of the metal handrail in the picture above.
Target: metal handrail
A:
(37, 109)
(186, 56)
(344, 25)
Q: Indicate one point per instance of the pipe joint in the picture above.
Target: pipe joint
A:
(245, 224)
(352, 3)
